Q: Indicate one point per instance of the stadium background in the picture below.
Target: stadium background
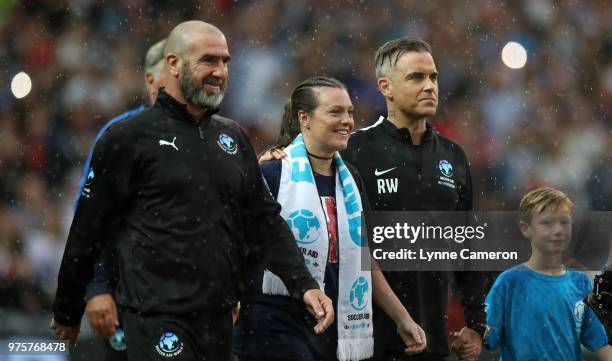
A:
(546, 123)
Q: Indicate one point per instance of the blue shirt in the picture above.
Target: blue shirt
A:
(533, 316)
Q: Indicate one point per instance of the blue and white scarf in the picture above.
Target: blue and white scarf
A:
(302, 209)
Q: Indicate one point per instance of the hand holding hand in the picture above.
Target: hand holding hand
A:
(468, 345)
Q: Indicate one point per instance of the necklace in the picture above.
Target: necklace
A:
(316, 156)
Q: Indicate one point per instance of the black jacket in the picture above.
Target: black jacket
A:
(184, 203)
(400, 176)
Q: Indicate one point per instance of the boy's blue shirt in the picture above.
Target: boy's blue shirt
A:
(533, 316)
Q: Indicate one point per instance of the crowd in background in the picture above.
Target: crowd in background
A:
(547, 123)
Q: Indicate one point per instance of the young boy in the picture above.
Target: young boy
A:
(535, 311)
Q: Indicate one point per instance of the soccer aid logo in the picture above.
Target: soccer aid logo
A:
(358, 296)
(90, 177)
(579, 311)
(117, 341)
(169, 345)
(446, 168)
(305, 226)
(227, 143)
(86, 191)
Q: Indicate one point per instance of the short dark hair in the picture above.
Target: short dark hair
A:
(389, 53)
(305, 98)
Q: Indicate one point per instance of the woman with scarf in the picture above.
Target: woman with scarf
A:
(321, 202)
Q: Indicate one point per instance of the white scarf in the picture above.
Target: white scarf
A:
(302, 209)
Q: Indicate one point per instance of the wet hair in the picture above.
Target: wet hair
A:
(538, 200)
(389, 53)
(305, 98)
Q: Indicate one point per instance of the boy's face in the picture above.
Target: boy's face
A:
(550, 231)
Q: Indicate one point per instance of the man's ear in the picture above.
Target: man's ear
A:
(385, 87)
(173, 64)
(149, 79)
(525, 229)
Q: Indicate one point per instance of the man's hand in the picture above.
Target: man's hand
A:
(69, 333)
(274, 153)
(102, 313)
(413, 336)
(468, 345)
(321, 307)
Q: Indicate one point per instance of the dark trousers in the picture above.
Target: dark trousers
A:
(202, 336)
(398, 356)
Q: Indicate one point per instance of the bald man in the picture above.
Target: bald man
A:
(181, 190)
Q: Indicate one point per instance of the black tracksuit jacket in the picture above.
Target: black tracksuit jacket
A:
(400, 176)
(184, 203)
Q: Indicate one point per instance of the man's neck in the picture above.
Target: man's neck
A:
(416, 127)
(196, 112)
(551, 265)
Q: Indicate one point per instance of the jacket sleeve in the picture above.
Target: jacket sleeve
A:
(473, 285)
(466, 195)
(98, 209)
(105, 275)
(269, 235)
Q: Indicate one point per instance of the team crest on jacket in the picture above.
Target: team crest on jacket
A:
(227, 143)
(86, 191)
(169, 345)
(446, 169)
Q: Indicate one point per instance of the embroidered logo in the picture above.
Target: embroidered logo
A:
(227, 143)
(379, 173)
(165, 142)
(90, 177)
(86, 191)
(169, 345)
(446, 168)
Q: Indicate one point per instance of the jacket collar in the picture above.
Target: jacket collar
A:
(179, 110)
(403, 134)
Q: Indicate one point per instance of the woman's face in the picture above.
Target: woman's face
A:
(330, 123)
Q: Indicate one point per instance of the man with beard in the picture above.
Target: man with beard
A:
(181, 190)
